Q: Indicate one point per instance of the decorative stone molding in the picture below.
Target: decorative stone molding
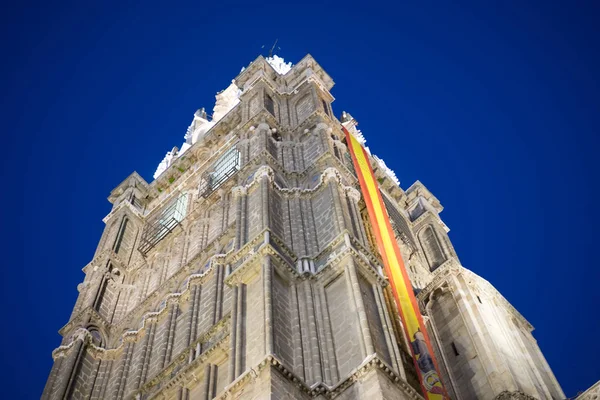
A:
(517, 395)
(364, 259)
(353, 194)
(124, 204)
(266, 171)
(86, 316)
(319, 389)
(151, 316)
(593, 393)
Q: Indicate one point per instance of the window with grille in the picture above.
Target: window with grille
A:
(395, 216)
(162, 223)
(224, 168)
(269, 104)
(349, 163)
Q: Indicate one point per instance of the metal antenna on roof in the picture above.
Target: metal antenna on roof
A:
(273, 48)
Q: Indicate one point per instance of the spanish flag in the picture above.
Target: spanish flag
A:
(414, 328)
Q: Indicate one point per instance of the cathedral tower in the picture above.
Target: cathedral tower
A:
(248, 269)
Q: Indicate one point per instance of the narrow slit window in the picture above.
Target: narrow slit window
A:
(120, 236)
(325, 107)
(479, 299)
(269, 104)
(454, 349)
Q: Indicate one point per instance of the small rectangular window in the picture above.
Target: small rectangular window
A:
(456, 353)
(136, 202)
(269, 104)
(325, 107)
(479, 300)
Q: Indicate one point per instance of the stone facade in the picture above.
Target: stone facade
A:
(247, 269)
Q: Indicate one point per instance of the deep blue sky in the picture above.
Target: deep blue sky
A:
(493, 107)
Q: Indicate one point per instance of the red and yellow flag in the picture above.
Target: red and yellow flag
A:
(408, 308)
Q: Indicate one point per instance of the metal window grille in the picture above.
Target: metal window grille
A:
(349, 163)
(398, 220)
(224, 168)
(161, 224)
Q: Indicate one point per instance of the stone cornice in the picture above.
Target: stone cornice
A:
(255, 161)
(266, 171)
(516, 395)
(417, 189)
(349, 246)
(134, 178)
(124, 205)
(371, 363)
(99, 261)
(85, 316)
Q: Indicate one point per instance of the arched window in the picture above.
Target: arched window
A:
(121, 235)
(96, 336)
(101, 294)
(431, 248)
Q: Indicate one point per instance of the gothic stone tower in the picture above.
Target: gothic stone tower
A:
(247, 269)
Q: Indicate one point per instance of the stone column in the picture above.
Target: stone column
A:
(388, 331)
(195, 297)
(108, 366)
(354, 196)
(239, 195)
(267, 279)
(314, 341)
(53, 375)
(218, 293)
(122, 375)
(232, 333)
(306, 347)
(239, 330)
(296, 334)
(337, 206)
(354, 286)
(146, 352)
(170, 343)
(322, 328)
(65, 379)
(264, 195)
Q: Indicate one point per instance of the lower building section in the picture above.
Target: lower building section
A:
(270, 379)
(256, 326)
(278, 332)
(484, 344)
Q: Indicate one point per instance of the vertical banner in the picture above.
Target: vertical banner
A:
(410, 315)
